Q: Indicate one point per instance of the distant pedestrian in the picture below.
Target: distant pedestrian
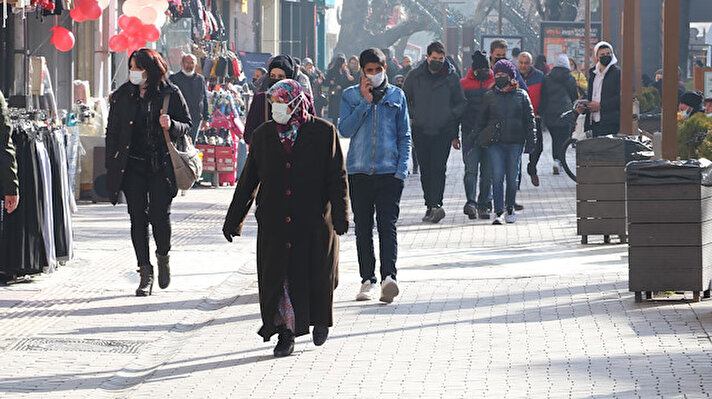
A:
(498, 52)
(436, 103)
(690, 104)
(515, 55)
(338, 78)
(137, 159)
(579, 77)
(375, 116)
(478, 81)
(354, 70)
(534, 78)
(195, 92)
(603, 111)
(256, 76)
(510, 107)
(541, 64)
(406, 66)
(9, 185)
(393, 67)
(316, 79)
(558, 94)
(708, 107)
(296, 170)
(400, 79)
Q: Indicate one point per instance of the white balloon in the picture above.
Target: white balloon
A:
(160, 20)
(131, 8)
(104, 3)
(160, 5)
(148, 15)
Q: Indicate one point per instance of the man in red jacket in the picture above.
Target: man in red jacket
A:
(533, 78)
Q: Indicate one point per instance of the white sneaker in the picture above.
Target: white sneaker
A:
(510, 217)
(557, 166)
(499, 219)
(367, 291)
(389, 290)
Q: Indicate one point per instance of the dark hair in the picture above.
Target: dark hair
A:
(540, 62)
(498, 43)
(436, 47)
(155, 67)
(337, 62)
(371, 55)
(386, 52)
(263, 70)
(516, 51)
(601, 47)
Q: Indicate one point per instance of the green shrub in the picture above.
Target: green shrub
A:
(687, 133)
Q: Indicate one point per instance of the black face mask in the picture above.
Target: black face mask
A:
(605, 60)
(482, 74)
(272, 81)
(435, 65)
(502, 81)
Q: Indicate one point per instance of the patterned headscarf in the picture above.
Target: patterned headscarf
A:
(288, 90)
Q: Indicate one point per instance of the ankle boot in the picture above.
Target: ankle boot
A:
(164, 270)
(285, 344)
(145, 286)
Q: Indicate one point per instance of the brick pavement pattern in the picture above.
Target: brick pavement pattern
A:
(514, 311)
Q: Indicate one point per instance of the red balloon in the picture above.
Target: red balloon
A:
(62, 38)
(133, 26)
(77, 15)
(137, 42)
(123, 21)
(151, 33)
(91, 9)
(118, 43)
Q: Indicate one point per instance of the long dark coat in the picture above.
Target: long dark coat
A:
(301, 207)
(122, 114)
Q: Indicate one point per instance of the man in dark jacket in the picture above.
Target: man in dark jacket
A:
(690, 103)
(407, 66)
(9, 186)
(436, 103)
(534, 79)
(603, 112)
(476, 83)
(558, 94)
(195, 92)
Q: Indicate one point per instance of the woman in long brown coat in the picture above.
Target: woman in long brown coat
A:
(296, 169)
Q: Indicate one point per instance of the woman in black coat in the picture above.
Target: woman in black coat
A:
(296, 170)
(338, 78)
(558, 93)
(137, 159)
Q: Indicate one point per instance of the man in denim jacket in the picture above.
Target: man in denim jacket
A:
(374, 115)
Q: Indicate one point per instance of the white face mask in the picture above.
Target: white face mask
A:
(685, 114)
(709, 115)
(136, 77)
(189, 74)
(279, 111)
(376, 79)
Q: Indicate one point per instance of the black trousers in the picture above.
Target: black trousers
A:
(149, 198)
(432, 152)
(536, 152)
(559, 135)
(382, 194)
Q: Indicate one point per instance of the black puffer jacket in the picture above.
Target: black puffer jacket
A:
(514, 110)
(610, 99)
(123, 109)
(558, 94)
(436, 102)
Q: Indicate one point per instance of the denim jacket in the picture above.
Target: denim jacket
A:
(379, 133)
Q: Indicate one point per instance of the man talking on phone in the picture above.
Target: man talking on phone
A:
(374, 114)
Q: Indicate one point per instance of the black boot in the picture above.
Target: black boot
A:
(285, 344)
(319, 334)
(145, 286)
(164, 270)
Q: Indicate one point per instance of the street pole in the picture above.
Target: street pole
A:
(606, 20)
(638, 49)
(444, 10)
(671, 49)
(628, 55)
(500, 17)
(587, 39)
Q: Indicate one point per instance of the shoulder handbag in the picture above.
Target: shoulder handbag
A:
(187, 165)
(490, 134)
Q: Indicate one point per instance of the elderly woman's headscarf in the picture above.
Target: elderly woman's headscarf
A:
(290, 92)
(562, 61)
(285, 63)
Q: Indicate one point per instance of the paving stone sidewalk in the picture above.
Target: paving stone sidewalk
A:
(515, 311)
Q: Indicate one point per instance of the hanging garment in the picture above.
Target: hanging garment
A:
(61, 195)
(22, 250)
(45, 167)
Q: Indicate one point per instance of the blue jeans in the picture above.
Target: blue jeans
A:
(477, 159)
(380, 194)
(505, 160)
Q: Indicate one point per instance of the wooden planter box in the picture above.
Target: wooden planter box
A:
(600, 188)
(669, 229)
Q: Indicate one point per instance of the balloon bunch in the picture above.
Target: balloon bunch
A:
(88, 10)
(139, 24)
(85, 10)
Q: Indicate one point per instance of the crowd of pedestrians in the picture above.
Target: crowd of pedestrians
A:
(394, 113)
